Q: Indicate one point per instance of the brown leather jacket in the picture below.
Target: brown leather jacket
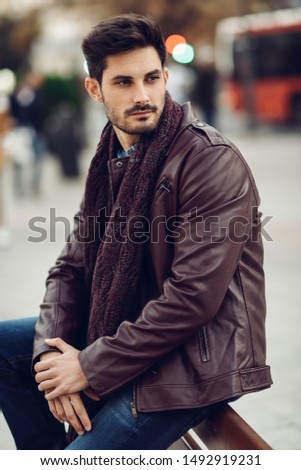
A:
(200, 337)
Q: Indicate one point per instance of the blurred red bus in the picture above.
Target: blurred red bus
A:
(258, 58)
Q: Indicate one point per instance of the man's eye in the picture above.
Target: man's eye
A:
(123, 82)
(153, 78)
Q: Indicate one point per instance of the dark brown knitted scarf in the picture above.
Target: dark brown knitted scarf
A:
(113, 251)
(113, 256)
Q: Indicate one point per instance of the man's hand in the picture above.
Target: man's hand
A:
(70, 409)
(60, 374)
(49, 354)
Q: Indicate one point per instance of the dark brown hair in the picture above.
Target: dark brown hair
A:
(119, 34)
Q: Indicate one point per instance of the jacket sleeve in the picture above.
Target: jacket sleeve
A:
(215, 195)
(64, 309)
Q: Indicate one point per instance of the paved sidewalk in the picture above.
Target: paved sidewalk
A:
(276, 162)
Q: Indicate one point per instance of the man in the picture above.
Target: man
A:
(154, 312)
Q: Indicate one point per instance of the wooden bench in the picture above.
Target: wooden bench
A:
(224, 430)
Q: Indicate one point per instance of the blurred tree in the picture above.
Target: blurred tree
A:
(17, 35)
(195, 19)
(63, 127)
(58, 89)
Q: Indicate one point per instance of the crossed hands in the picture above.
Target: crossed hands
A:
(61, 378)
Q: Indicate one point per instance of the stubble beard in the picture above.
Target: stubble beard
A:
(141, 126)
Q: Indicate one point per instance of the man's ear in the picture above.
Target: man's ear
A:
(93, 88)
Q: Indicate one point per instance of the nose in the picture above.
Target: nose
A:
(141, 96)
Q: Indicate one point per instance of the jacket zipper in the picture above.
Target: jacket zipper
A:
(163, 186)
(133, 402)
(203, 344)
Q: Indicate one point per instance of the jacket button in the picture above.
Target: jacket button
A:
(200, 124)
(119, 164)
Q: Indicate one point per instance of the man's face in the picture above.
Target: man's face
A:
(133, 92)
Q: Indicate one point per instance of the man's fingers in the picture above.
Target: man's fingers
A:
(41, 376)
(50, 384)
(70, 409)
(71, 416)
(59, 344)
(45, 363)
(80, 410)
(40, 366)
(56, 411)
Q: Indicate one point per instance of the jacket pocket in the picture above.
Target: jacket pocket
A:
(203, 344)
(164, 187)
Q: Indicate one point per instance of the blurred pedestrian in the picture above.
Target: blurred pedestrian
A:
(204, 91)
(66, 138)
(27, 107)
(154, 313)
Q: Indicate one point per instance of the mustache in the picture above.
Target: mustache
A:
(137, 109)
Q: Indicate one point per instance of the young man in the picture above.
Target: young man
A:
(154, 312)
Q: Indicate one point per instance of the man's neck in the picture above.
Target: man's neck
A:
(126, 140)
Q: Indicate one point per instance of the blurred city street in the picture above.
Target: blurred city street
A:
(274, 156)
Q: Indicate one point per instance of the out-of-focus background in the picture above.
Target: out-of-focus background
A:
(239, 63)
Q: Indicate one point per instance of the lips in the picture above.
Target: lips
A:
(141, 113)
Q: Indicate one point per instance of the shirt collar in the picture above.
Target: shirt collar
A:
(125, 153)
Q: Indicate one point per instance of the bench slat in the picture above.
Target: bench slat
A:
(225, 430)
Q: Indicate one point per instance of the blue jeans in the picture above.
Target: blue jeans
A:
(113, 425)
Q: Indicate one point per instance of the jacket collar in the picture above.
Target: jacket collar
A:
(188, 116)
(187, 119)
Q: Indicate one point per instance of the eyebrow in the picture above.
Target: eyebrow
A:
(127, 77)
